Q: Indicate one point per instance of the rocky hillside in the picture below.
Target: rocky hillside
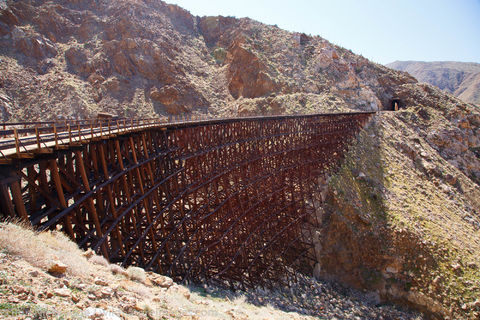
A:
(147, 58)
(461, 79)
(400, 218)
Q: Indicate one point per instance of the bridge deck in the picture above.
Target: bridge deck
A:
(22, 140)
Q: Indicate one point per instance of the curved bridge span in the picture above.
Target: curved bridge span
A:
(225, 199)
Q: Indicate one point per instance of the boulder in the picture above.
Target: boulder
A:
(98, 313)
(9, 18)
(247, 75)
(176, 289)
(159, 280)
(167, 95)
(100, 282)
(76, 59)
(57, 268)
(62, 292)
(34, 46)
(122, 64)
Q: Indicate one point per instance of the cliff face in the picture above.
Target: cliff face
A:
(461, 79)
(400, 218)
(147, 58)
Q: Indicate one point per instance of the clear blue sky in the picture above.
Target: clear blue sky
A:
(383, 31)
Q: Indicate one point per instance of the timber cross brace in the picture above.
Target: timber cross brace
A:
(225, 199)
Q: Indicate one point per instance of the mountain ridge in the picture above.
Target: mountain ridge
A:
(175, 63)
(461, 79)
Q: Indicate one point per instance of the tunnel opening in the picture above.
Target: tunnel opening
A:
(395, 104)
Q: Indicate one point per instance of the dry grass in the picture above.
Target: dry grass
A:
(137, 274)
(116, 269)
(98, 260)
(43, 249)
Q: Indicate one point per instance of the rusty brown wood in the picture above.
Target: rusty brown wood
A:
(32, 174)
(140, 181)
(226, 199)
(17, 199)
(61, 196)
(126, 190)
(118, 236)
(90, 205)
(6, 203)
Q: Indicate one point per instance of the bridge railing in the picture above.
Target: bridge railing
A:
(23, 139)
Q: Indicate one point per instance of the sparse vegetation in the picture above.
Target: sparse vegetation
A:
(384, 199)
(42, 249)
(137, 274)
(219, 54)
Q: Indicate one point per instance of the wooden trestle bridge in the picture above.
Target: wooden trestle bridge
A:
(224, 199)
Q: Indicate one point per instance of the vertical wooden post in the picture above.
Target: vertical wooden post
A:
(91, 205)
(56, 136)
(61, 196)
(17, 199)
(17, 143)
(142, 191)
(126, 189)
(37, 135)
(6, 202)
(32, 174)
(110, 197)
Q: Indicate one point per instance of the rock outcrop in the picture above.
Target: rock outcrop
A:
(215, 65)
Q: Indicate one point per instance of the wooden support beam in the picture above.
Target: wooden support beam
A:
(90, 203)
(6, 201)
(126, 189)
(142, 192)
(61, 196)
(118, 236)
(17, 199)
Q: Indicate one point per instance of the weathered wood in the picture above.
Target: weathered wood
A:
(118, 236)
(6, 202)
(17, 199)
(61, 196)
(225, 199)
(90, 203)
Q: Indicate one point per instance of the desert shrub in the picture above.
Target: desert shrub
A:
(137, 274)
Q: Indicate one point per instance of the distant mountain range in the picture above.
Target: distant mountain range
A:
(459, 78)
